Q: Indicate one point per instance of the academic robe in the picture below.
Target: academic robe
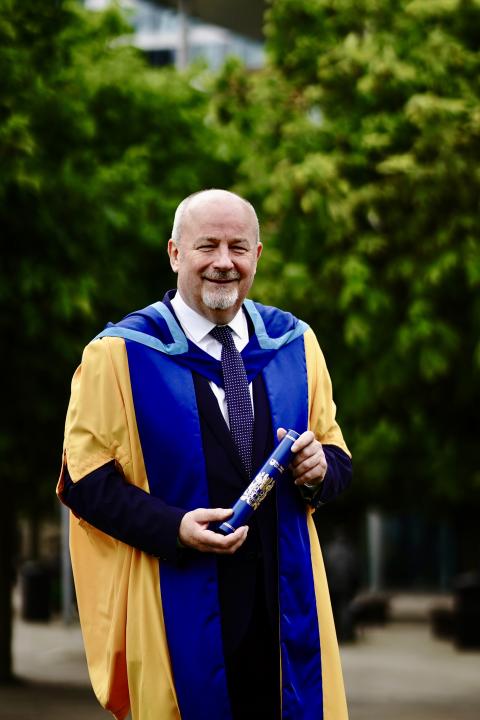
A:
(147, 623)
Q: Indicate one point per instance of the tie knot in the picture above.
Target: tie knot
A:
(223, 333)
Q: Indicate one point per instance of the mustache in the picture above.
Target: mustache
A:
(222, 275)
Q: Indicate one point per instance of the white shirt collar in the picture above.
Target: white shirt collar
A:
(197, 327)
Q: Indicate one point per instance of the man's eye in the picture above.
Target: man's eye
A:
(239, 249)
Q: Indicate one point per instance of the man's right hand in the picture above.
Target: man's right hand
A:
(194, 532)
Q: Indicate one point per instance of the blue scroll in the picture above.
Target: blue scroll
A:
(261, 485)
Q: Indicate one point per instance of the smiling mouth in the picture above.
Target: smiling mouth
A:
(222, 281)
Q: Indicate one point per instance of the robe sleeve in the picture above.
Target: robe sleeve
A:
(322, 422)
(105, 500)
(337, 478)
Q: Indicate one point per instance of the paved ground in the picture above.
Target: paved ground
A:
(399, 672)
(54, 684)
(403, 673)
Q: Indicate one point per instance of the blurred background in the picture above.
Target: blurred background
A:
(353, 126)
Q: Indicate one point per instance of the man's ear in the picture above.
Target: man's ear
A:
(259, 249)
(173, 255)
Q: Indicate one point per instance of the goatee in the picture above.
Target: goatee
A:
(220, 298)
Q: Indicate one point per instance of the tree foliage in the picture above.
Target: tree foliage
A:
(364, 139)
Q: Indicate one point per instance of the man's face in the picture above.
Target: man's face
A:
(216, 258)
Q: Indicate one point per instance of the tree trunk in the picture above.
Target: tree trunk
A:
(6, 584)
(34, 535)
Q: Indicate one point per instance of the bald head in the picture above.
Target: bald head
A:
(213, 198)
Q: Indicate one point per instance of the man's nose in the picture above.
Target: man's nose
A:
(223, 259)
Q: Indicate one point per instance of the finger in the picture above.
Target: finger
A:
(206, 515)
(306, 438)
(237, 542)
(195, 523)
(313, 475)
(312, 478)
(302, 465)
(281, 432)
(313, 450)
(237, 545)
(213, 542)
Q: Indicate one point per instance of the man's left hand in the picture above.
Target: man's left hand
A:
(309, 465)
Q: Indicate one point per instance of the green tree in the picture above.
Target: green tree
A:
(96, 151)
(362, 146)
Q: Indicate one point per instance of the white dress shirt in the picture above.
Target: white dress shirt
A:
(197, 328)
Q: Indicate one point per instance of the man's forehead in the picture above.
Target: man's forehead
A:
(212, 218)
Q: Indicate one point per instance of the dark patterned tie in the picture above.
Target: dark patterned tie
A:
(237, 395)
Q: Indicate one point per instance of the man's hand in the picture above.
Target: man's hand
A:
(309, 465)
(194, 532)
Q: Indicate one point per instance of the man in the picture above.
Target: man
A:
(173, 410)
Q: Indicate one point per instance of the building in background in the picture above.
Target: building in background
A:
(170, 36)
